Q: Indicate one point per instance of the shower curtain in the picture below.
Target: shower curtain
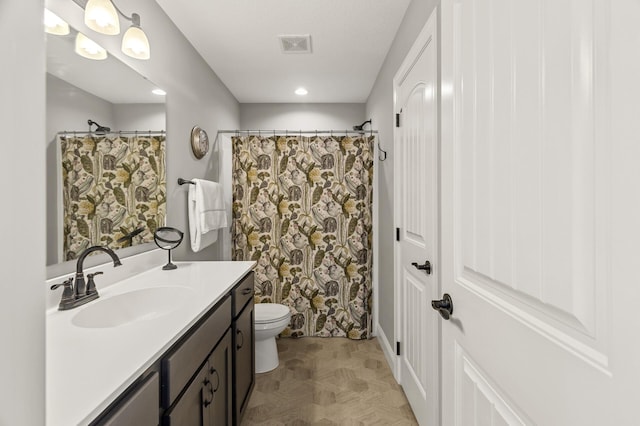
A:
(112, 185)
(302, 209)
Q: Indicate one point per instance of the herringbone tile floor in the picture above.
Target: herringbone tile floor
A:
(328, 381)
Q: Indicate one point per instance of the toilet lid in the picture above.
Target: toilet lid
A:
(270, 312)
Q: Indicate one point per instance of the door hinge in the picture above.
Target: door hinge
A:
(397, 234)
(397, 348)
(397, 120)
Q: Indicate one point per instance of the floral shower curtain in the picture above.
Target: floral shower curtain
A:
(112, 185)
(302, 208)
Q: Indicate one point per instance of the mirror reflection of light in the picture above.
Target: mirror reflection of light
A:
(301, 91)
(89, 49)
(53, 24)
(101, 16)
(158, 92)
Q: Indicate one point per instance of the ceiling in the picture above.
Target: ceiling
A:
(239, 41)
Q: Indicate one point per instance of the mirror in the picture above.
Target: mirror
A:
(101, 187)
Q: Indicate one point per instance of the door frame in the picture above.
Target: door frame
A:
(420, 43)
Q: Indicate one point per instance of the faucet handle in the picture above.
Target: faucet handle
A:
(68, 297)
(90, 276)
(68, 284)
(91, 285)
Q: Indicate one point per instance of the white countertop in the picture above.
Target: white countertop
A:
(87, 368)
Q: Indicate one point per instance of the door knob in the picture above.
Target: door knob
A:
(426, 267)
(444, 306)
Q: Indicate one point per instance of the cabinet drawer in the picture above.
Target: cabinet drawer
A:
(139, 408)
(242, 293)
(180, 364)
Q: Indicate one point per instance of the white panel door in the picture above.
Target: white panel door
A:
(544, 327)
(416, 140)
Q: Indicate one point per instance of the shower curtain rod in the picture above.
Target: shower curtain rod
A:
(297, 132)
(113, 132)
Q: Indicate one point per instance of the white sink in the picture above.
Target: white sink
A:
(133, 306)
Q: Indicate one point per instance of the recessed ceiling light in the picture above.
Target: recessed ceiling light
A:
(301, 91)
(158, 92)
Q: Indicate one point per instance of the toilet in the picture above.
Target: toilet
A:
(270, 320)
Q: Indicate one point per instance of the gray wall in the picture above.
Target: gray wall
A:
(195, 96)
(379, 108)
(301, 116)
(140, 117)
(69, 108)
(22, 256)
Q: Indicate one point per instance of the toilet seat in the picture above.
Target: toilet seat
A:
(267, 313)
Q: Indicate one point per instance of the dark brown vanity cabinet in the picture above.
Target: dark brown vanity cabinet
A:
(243, 346)
(207, 400)
(205, 378)
(208, 376)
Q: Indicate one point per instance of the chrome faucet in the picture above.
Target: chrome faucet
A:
(81, 293)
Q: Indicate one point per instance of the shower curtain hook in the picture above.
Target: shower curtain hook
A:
(382, 150)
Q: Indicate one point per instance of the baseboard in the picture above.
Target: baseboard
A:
(388, 350)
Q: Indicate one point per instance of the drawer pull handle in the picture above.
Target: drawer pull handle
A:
(214, 371)
(208, 402)
(247, 291)
(239, 333)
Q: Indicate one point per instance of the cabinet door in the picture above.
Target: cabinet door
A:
(220, 409)
(244, 360)
(192, 408)
(139, 408)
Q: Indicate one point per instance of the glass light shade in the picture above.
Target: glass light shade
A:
(53, 24)
(89, 49)
(136, 44)
(101, 16)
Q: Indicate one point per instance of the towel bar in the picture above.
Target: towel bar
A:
(183, 181)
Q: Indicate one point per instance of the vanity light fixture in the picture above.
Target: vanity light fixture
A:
(135, 42)
(301, 91)
(88, 48)
(158, 92)
(53, 24)
(102, 16)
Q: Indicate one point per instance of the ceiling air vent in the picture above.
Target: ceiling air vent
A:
(295, 43)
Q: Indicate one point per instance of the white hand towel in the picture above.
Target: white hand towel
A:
(206, 213)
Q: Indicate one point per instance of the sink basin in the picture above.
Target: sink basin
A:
(133, 306)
